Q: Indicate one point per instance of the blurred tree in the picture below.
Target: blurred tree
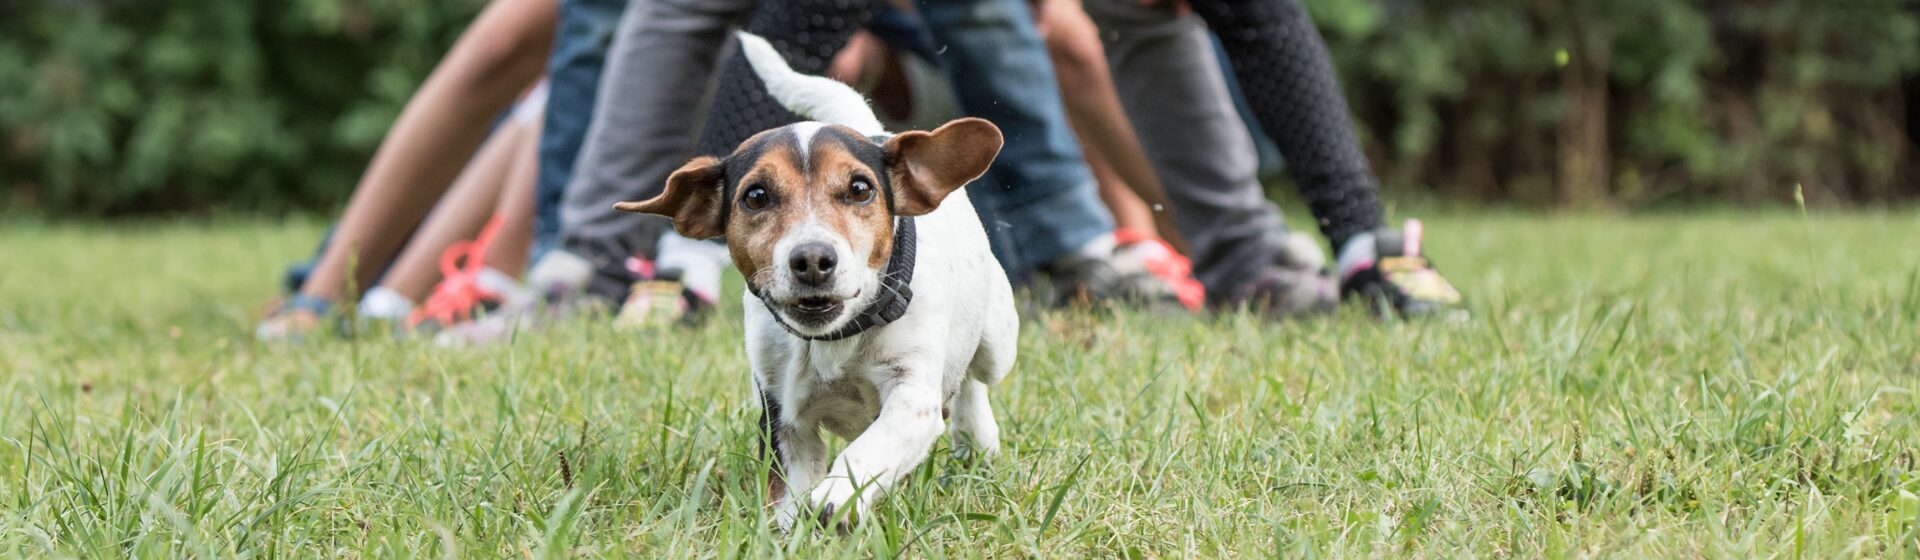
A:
(116, 106)
(125, 106)
(1635, 102)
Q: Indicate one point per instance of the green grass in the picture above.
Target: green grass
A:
(1720, 385)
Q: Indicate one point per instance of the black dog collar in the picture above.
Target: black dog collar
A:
(896, 290)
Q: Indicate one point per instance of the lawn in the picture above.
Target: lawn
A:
(1724, 385)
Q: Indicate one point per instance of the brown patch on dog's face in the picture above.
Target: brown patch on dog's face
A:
(782, 185)
(862, 216)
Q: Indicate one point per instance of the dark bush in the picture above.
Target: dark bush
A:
(118, 106)
(1635, 102)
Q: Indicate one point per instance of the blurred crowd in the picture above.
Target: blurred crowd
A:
(1129, 175)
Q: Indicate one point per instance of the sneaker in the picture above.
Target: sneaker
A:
(1102, 272)
(1284, 292)
(1386, 268)
(556, 290)
(467, 286)
(681, 289)
(1294, 285)
(294, 319)
(664, 302)
(1164, 263)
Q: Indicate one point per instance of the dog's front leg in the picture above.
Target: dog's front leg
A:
(888, 450)
(802, 463)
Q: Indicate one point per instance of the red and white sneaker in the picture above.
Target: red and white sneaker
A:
(468, 286)
(1164, 263)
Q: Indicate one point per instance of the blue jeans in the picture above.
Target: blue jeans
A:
(1039, 200)
(573, 79)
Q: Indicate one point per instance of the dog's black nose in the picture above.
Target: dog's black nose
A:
(812, 263)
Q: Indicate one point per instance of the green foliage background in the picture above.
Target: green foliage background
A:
(1675, 101)
(131, 106)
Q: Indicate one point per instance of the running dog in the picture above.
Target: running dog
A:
(874, 307)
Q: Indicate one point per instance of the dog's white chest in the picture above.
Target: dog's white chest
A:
(846, 405)
(830, 385)
(831, 361)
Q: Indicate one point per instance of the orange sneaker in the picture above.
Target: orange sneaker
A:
(1164, 263)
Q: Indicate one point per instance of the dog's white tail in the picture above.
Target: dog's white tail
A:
(812, 97)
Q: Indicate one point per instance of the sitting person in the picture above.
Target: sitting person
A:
(490, 203)
(495, 61)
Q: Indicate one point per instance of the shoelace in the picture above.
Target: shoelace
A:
(1166, 264)
(1410, 238)
(459, 289)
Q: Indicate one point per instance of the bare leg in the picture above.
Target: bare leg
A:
(498, 56)
(1129, 212)
(513, 244)
(465, 208)
(1093, 108)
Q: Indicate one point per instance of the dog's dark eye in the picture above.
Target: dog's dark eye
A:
(860, 191)
(756, 198)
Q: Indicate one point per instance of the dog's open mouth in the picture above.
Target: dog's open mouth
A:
(817, 304)
(814, 310)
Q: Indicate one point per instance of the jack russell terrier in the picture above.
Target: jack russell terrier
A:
(874, 306)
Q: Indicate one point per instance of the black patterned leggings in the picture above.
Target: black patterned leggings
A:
(1289, 82)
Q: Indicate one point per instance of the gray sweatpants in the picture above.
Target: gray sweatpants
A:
(650, 111)
(1170, 83)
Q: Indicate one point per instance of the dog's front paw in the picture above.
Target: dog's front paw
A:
(838, 504)
(786, 516)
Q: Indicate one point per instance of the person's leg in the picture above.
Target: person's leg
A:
(1163, 66)
(497, 57)
(657, 74)
(1136, 233)
(1289, 80)
(1039, 195)
(580, 48)
(512, 246)
(460, 214)
(1129, 212)
(474, 245)
(483, 272)
(1093, 108)
(648, 107)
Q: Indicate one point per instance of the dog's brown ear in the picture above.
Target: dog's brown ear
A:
(692, 199)
(927, 166)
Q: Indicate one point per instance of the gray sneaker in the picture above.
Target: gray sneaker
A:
(1283, 292)
(1295, 285)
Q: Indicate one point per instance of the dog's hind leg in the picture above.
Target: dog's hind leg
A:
(972, 427)
(999, 341)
